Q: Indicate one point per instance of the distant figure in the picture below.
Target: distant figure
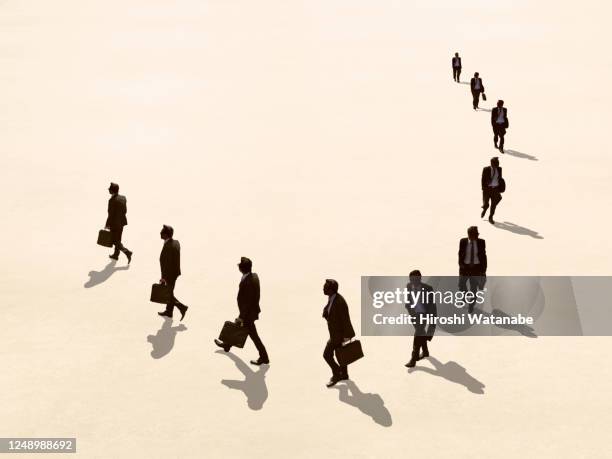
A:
(248, 305)
(423, 308)
(116, 220)
(477, 88)
(170, 262)
(456, 63)
(491, 183)
(499, 121)
(336, 313)
(472, 263)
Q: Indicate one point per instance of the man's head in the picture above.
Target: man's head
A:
(495, 161)
(166, 232)
(476, 74)
(500, 103)
(330, 287)
(456, 54)
(113, 188)
(415, 277)
(472, 233)
(245, 265)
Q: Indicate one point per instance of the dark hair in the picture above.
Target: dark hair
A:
(168, 230)
(416, 272)
(472, 230)
(113, 188)
(246, 262)
(495, 160)
(333, 283)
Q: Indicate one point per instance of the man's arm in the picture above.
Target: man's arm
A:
(483, 258)
(484, 179)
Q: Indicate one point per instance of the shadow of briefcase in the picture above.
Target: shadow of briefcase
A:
(233, 334)
(105, 239)
(160, 293)
(349, 352)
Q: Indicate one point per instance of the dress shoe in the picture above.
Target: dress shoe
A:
(424, 355)
(411, 364)
(183, 312)
(260, 361)
(332, 382)
(113, 257)
(128, 254)
(164, 314)
(344, 377)
(482, 214)
(491, 221)
(496, 147)
(222, 345)
(501, 149)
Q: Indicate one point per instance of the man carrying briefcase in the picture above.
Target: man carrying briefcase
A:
(248, 304)
(421, 307)
(170, 263)
(340, 329)
(116, 220)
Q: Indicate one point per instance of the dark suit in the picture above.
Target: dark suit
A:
(475, 273)
(499, 130)
(170, 263)
(116, 220)
(248, 305)
(423, 332)
(339, 326)
(456, 64)
(492, 194)
(476, 92)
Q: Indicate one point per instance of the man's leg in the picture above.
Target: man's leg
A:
(263, 354)
(502, 134)
(495, 136)
(458, 74)
(116, 235)
(474, 282)
(328, 355)
(475, 99)
(485, 202)
(173, 301)
(495, 199)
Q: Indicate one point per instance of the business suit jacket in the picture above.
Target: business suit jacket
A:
(428, 303)
(473, 85)
(117, 210)
(170, 260)
(453, 62)
(338, 320)
(494, 113)
(486, 176)
(248, 298)
(482, 255)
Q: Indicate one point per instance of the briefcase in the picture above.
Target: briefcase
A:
(160, 293)
(105, 238)
(502, 185)
(484, 96)
(233, 334)
(349, 352)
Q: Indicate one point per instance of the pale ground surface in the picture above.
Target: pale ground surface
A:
(320, 138)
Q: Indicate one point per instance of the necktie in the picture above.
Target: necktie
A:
(473, 259)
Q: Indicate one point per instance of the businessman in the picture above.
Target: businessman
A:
(472, 264)
(477, 88)
(493, 186)
(499, 122)
(456, 63)
(116, 220)
(170, 262)
(336, 313)
(248, 305)
(422, 308)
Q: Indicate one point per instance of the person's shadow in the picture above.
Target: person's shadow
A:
(163, 341)
(452, 372)
(518, 154)
(369, 404)
(484, 109)
(97, 277)
(254, 383)
(516, 229)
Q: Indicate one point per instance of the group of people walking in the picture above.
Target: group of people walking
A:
(472, 260)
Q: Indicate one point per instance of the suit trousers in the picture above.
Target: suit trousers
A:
(476, 278)
(328, 355)
(173, 301)
(116, 234)
(456, 73)
(499, 132)
(254, 335)
(493, 196)
(475, 98)
(420, 341)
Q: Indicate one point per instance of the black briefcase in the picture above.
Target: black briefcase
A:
(502, 185)
(484, 96)
(160, 293)
(349, 352)
(233, 334)
(105, 238)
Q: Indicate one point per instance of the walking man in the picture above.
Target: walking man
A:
(116, 220)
